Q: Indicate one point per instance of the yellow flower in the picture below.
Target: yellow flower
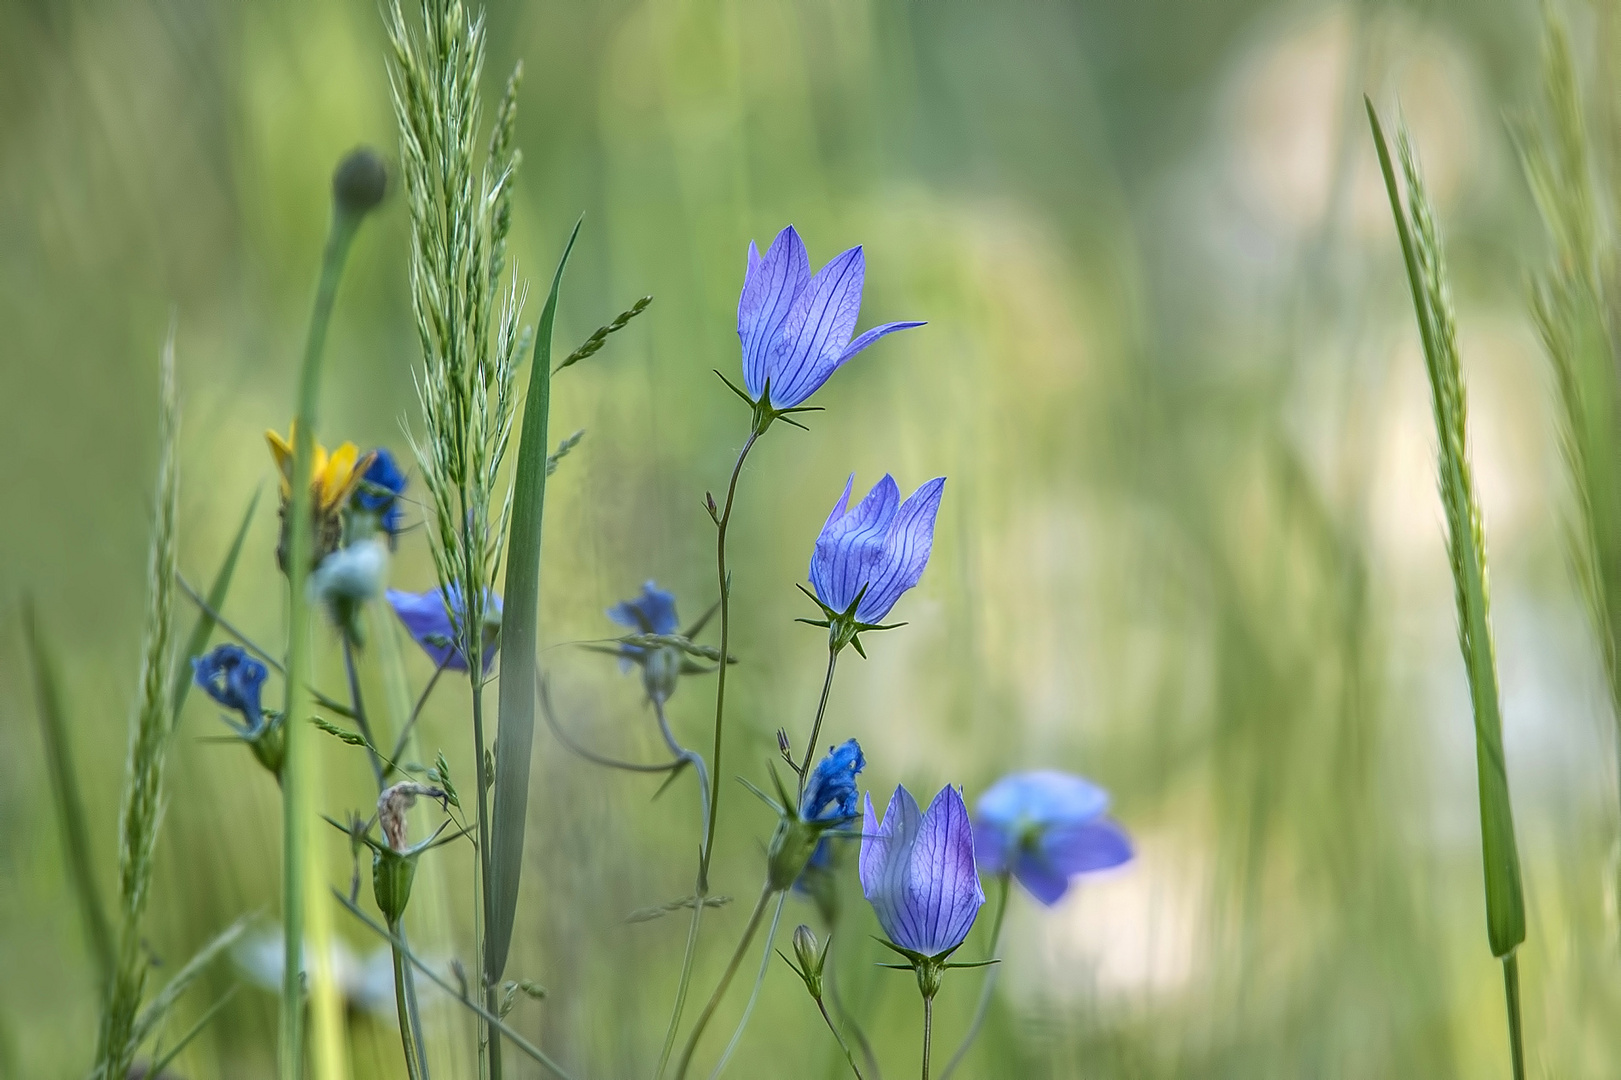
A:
(334, 476)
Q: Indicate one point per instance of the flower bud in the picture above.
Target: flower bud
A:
(790, 850)
(661, 668)
(391, 877)
(360, 181)
(810, 957)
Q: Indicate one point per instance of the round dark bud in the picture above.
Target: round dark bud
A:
(360, 182)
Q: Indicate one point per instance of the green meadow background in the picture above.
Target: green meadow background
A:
(1190, 544)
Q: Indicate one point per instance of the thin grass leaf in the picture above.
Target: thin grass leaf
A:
(148, 745)
(167, 1058)
(154, 1014)
(64, 778)
(203, 628)
(520, 635)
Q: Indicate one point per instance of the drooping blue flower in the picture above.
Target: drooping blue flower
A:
(830, 791)
(427, 617)
(1045, 827)
(796, 328)
(380, 489)
(881, 546)
(234, 679)
(652, 611)
(917, 871)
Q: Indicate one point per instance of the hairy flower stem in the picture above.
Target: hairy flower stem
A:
(701, 888)
(725, 981)
(1511, 990)
(928, 1025)
(297, 796)
(821, 710)
(986, 992)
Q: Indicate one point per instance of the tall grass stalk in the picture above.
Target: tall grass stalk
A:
(467, 323)
(1466, 550)
(142, 812)
(300, 883)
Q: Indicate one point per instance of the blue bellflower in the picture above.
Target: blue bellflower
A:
(379, 491)
(875, 552)
(829, 802)
(427, 617)
(652, 611)
(234, 679)
(795, 327)
(917, 871)
(1044, 828)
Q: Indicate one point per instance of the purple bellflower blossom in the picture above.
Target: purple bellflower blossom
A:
(234, 679)
(427, 617)
(829, 803)
(652, 611)
(796, 327)
(917, 871)
(867, 557)
(1044, 828)
(379, 492)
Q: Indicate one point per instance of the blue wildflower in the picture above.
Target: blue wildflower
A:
(796, 328)
(379, 491)
(234, 679)
(1044, 828)
(652, 611)
(428, 618)
(917, 871)
(867, 557)
(830, 791)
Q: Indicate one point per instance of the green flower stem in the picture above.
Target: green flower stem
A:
(848, 1056)
(986, 992)
(754, 994)
(928, 1025)
(402, 1008)
(488, 1041)
(360, 712)
(1511, 991)
(821, 710)
(701, 888)
(830, 976)
(725, 981)
(298, 800)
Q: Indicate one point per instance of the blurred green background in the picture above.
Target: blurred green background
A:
(1190, 545)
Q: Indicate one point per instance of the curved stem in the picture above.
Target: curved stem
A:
(360, 711)
(725, 652)
(683, 754)
(402, 1009)
(983, 1009)
(725, 981)
(928, 1024)
(754, 995)
(821, 710)
(698, 906)
(851, 1058)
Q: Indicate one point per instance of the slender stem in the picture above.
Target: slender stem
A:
(683, 754)
(1511, 990)
(986, 992)
(490, 1002)
(848, 1056)
(402, 1009)
(821, 710)
(297, 796)
(725, 652)
(928, 1025)
(725, 981)
(416, 710)
(701, 888)
(413, 1009)
(360, 712)
(832, 982)
(754, 995)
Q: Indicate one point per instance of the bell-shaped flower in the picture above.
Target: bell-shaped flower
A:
(867, 557)
(796, 327)
(657, 644)
(652, 611)
(1045, 827)
(379, 492)
(231, 677)
(917, 871)
(429, 619)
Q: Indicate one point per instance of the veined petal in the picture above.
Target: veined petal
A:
(885, 858)
(821, 563)
(943, 894)
(818, 329)
(869, 336)
(990, 847)
(850, 548)
(907, 544)
(770, 287)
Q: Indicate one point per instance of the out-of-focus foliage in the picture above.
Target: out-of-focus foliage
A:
(1190, 546)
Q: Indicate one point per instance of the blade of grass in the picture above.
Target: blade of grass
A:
(203, 628)
(69, 802)
(520, 618)
(1466, 549)
(154, 1013)
(157, 1067)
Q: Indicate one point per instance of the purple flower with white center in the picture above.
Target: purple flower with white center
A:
(876, 551)
(234, 679)
(427, 617)
(652, 611)
(917, 871)
(1044, 828)
(795, 327)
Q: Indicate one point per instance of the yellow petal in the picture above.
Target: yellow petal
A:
(336, 474)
